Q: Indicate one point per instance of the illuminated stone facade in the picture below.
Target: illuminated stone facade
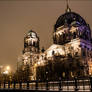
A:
(72, 44)
(71, 49)
(30, 53)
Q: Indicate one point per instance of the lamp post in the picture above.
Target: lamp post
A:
(46, 80)
(7, 74)
(46, 75)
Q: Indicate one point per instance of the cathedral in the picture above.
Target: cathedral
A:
(69, 56)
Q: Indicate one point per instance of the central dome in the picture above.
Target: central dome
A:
(69, 26)
(68, 18)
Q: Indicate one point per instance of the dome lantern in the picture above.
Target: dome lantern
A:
(68, 8)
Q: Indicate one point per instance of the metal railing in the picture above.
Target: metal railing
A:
(75, 84)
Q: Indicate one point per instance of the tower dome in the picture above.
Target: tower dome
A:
(32, 34)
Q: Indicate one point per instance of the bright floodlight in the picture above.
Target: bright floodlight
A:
(8, 67)
(6, 72)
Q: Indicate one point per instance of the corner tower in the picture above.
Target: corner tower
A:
(31, 42)
(29, 56)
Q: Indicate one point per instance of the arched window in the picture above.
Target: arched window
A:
(33, 43)
(83, 53)
(74, 35)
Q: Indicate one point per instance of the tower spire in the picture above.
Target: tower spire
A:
(68, 8)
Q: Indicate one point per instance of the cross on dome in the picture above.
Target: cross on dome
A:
(68, 8)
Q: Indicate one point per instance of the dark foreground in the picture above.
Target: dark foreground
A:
(73, 85)
(17, 90)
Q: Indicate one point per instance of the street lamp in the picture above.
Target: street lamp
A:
(8, 68)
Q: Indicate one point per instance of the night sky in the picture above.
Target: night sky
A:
(18, 17)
